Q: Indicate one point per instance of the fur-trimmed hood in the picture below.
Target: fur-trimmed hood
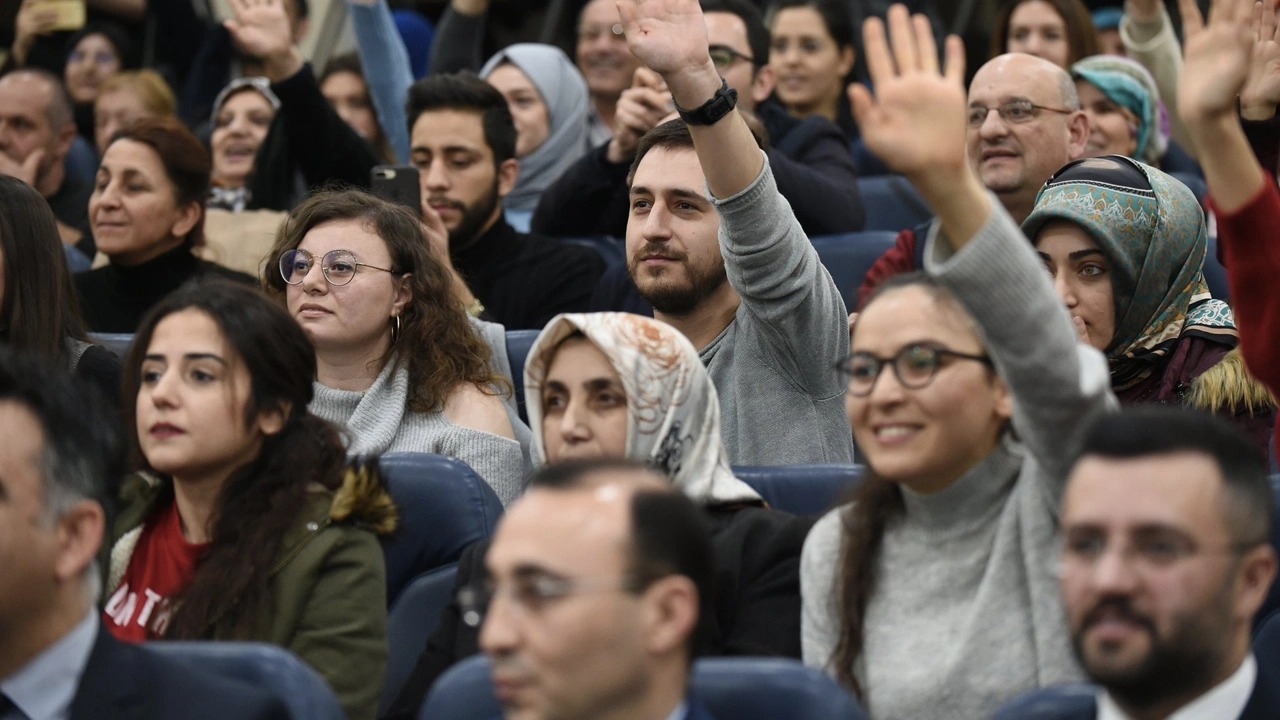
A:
(1229, 385)
(363, 499)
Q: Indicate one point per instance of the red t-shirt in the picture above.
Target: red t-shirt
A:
(162, 565)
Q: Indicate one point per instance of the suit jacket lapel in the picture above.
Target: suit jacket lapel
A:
(109, 687)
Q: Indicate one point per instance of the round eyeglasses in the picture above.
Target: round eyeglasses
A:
(338, 266)
(915, 366)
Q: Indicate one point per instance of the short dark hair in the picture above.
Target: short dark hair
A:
(669, 533)
(466, 91)
(83, 447)
(1157, 430)
(672, 135)
(836, 18)
(752, 18)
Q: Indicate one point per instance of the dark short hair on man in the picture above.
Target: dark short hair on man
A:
(467, 92)
(669, 534)
(752, 18)
(1156, 430)
(83, 450)
(673, 135)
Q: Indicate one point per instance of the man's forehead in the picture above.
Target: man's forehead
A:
(563, 530)
(725, 28)
(33, 89)
(439, 129)
(664, 170)
(1016, 75)
(1177, 489)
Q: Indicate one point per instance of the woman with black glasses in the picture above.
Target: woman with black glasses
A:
(399, 364)
(933, 594)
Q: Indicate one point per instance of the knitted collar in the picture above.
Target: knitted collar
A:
(371, 418)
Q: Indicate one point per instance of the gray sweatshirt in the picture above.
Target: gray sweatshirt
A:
(967, 614)
(781, 401)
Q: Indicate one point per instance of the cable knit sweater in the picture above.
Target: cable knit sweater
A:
(966, 613)
(378, 421)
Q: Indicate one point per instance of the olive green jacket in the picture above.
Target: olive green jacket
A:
(328, 588)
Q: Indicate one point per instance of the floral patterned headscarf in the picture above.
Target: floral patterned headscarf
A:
(1151, 228)
(673, 413)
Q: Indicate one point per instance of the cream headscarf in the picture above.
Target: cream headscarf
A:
(673, 414)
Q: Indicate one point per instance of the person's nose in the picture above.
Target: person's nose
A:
(164, 391)
(887, 389)
(1113, 573)
(499, 629)
(993, 125)
(657, 224)
(573, 427)
(314, 282)
(435, 177)
(1065, 288)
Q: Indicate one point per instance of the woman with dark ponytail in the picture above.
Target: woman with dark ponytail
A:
(245, 523)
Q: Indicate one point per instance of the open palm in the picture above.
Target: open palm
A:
(260, 28)
(665, 35)
(1217, 57)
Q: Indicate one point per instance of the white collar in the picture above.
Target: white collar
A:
(46, 685)
(1224, 701)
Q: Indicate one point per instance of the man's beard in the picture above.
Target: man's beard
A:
(668, 296)
(473, 221)
(1185, 663)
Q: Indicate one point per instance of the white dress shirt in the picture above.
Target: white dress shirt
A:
(44, 688)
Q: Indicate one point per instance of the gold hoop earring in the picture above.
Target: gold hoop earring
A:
(395, 330)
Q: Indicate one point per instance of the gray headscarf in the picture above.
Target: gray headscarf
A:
(565, 93)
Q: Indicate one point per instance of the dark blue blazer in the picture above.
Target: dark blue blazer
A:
(696, 710)
(127, 682)
(1264, 704)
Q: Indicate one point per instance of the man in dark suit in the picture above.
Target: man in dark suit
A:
(597, 577)
(1166, 557)
(56, 661)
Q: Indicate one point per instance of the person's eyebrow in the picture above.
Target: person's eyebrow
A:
(528, 571)
(1087, 252)
(188, 356)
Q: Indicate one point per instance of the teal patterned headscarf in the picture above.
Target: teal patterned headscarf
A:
(1151, 228)
(1129, 85)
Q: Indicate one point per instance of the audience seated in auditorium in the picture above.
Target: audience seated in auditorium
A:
(38, 310)
(399, 365)
(147, 214)
(464, 143)
(38, 129)
(617, 385)
(242, 523)
(810, 158)
(595, 584)
(61, 452)
(1166, 523)
(1128, 262)
(548, 101)
(932, 594)
(1024, 124)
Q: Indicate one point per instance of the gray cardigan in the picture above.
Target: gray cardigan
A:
(774, 365)
(967, 613)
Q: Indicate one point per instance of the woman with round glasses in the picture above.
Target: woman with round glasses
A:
(1125, 244)
(399, 364)
(147, 213)
(932, 594)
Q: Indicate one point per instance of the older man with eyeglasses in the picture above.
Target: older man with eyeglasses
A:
(1025, 122)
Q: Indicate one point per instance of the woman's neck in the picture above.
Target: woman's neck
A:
(197, 503)
(354, 369)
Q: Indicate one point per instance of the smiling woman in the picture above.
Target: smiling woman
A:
(812, 51)
(242, 115)
(147, 215)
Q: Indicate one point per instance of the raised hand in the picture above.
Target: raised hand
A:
(640, 108)
(916, 120)
(261, 29)
(670, 38)
(28, 171)
(1261, 91)
(1217, 59)
(34, 19)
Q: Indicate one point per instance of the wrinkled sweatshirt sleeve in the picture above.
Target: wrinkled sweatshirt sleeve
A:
(1156, 48)
(1252, 255)
(457, 43)
(783, 285)
(1059, 385)
(386, 70)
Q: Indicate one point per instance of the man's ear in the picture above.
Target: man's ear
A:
(1253, 580)
(508, 173)
(1078, 127)
(80, 532)
(66, 136)
(763, 84)
(671, 613)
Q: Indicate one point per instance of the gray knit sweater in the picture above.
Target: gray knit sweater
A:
(378, 421)
(966, 613)
(774, 365)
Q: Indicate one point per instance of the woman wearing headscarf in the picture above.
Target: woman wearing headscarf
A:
(549, 102)
(620, 385)
(1126, 244)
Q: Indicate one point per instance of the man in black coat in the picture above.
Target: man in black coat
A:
(56, 658)
(1166, 526)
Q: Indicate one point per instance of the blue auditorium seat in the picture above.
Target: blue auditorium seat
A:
(612, 250)
(801, 489)
(848, 257)
(1052, 703)
(412, 619)
(518, 344)
(304, 693)
(444, 506)
(1214, 274)
(117, 343)
(731, 688)
(892, 203)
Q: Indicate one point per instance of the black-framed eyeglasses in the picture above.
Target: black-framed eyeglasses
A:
(724, 56)
(534, 593)
(1013, 112)
(914, 365)
(338, 266)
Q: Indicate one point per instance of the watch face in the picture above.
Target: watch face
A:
(725, 99)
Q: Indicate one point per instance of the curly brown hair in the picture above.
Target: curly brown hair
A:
(441, 347)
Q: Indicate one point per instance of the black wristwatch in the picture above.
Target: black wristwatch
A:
(710, 112)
